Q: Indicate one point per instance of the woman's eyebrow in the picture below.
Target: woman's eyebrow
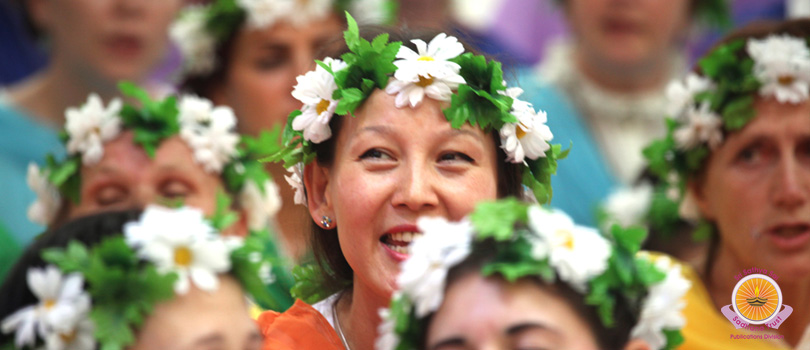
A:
(454, 341)
(525, 326)
(211, 339)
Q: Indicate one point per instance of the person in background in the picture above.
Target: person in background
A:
(247, 55)
(613, 75)
(164, 279)
(91, 46)
(534, 281)
(736, 160)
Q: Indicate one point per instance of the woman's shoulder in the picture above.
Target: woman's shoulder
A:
(300, 327)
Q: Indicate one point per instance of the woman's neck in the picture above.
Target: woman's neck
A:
(47, 94)
(358, 315)
(720, 282)
(637, 79)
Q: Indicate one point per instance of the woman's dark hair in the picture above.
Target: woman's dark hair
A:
(325, 243)
(615, 337)
(89, 230)
(799, 28)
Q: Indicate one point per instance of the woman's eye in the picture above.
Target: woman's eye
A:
(272, 60)
(110, 195)
(375, 153)
(175, 189)
(455, 156)
(750, 155)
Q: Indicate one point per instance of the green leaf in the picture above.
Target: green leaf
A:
(223, 216)
(703, 231)
(497, 219)
(74, 258)
(738, 112)
(630, 238)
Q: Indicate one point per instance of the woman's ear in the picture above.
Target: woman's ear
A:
(316, 182)
(695, 193)
(637, 344)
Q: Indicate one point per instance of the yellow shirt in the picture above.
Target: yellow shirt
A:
(706, 328)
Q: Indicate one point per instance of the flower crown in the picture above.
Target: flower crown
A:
(200, 29)
(208, 131)
(704, 108)
(102, 294)
(529, 240)
(439, 70)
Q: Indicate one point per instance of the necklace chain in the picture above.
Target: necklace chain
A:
(337, 325)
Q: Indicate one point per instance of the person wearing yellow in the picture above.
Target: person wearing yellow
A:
(736, 160)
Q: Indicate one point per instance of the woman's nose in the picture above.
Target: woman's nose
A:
(417, 190)
(791, 184)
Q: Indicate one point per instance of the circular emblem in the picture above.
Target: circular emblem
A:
(756, 299)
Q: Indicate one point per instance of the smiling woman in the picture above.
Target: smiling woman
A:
(407, 126)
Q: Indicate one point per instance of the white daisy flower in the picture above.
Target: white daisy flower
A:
(266, 274)
(90, 126)
(628, 206)
(209, 131)
(195, 43)
(80, 336)
(264, 13)
(314, 90)
(782, 65)
(369, 11)
(388, 338)
(702, 125)
(180, 241)
(680, 94)
(62, 299)
(45, 208)
(529, 137)
(663, 306)
(295, 179)
(305, 12)
(260, 204)
(427, 71)
(443, 245)
(577, 253)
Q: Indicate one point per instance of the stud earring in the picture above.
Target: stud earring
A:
(326, 221)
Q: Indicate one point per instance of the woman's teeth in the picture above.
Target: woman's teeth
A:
(400, 241)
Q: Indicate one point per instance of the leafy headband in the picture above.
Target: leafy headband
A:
(704, 108)
(208, 131)
(531, 241)
(201, 29)
(103, 294)
(440, 70)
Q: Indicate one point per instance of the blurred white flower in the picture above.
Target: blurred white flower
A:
(681, 94)
(209, 131)
(442, 245)
(427, 71)
(702, 125)
(295, 179)
(195, 43)
(662, 308)
(314, 90)
(628, 206)
(782, 65)
(183, 242)
(305, 12)
(265, 13)
(369, 11)
(261, 204)
(90, 126)
(388, 338)
(80, 336)
(688, 208)
(43, 211)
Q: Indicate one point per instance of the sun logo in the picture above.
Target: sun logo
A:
(756, 299)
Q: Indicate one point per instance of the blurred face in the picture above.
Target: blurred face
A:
(627, 33)
(110, 39)
(757, 186)
(489, 313)
(202, 320)
(263, 68)
(127, 177)
(391, 167)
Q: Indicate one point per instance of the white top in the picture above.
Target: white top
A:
(327, 307)
(621, 124)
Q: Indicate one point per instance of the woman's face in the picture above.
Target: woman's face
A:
(489, 313)
(627, 33)
(202, 320)
(126, 177)
(756, 189)
(392, 166)
(110, 40)
(263, 68)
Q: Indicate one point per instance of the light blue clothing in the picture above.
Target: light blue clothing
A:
(22, 140)
(583, 179)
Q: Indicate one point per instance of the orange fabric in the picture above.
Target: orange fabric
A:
(299, 328)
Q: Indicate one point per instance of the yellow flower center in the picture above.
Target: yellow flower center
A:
(322, 106)
(182, 256)
(786, 79)
(68, 338)
(49, 303)
(567, 239)
(520, 131)
(424, 82)
(425, 59)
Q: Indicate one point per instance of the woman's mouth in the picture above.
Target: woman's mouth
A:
(399, 242)
(123, 45)
(789, 236)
